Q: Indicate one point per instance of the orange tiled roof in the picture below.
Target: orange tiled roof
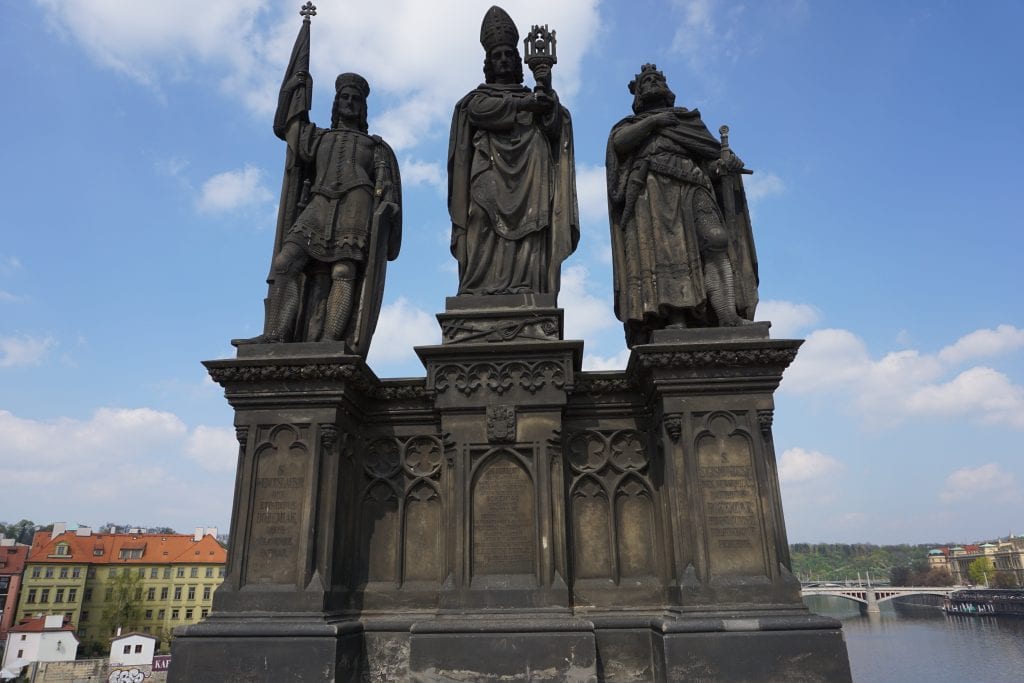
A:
(12, 558)
(156, 549)
(38, 625)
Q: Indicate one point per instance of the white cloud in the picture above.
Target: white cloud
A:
(233, 189)
(761, 185)
(416, 172)
(830, 358)
(981, 343)
(116, 459)
(214, 448)
(7, 297)
(167, 39)
(909, 383)
(592, 194)
(980, 389)
(246, 45)
(585, 314)
(24, 350)
(598, 363)
(402, 326)
(986, 482)
(9, 264)
(706, 34)
(787, 318)
(172, 167)
(799, 466)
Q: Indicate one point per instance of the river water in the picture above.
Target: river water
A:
(916, 643)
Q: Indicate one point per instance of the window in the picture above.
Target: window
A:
(167, 572)
(188, 614)
(142, 572)
(91, 572)
(63, 572)
(149, 614)
(85, 615)
(138, 649)
(62, 549)
(194, 573)
(31, 598)
(98, 552)
(204, 613)
(108, 594)
(151, 594)
(23, 636)
(36, 571)
(113, 572)
(130, 554)
(221, 574)
(76, 572)
(175, 613)
(191, 592)
(177, 592)
(72, 594)
(59, 597)
(138, 593)
(161, 614)
(44, 596)
(209, 572)
(153, 572)
(206, 592)
(181, 572)
(49, 572)
(126, 571)
(87, 595)
(163, 593)
(21, 653)
(127, 649)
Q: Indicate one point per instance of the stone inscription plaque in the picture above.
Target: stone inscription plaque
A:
(729, 494)
(280, 484)
(503, 519)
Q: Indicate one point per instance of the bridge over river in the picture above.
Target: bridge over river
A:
(872, 596)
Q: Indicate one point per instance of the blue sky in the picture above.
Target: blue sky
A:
(139, 188)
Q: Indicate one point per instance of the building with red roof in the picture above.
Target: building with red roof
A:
(40, 639)
(12, 564)
(160, 581)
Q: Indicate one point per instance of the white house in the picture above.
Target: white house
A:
(132, 649)
(42, 639)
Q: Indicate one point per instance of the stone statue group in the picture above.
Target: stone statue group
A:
(682, 248)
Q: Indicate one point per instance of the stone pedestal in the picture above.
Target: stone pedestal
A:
(508, 516)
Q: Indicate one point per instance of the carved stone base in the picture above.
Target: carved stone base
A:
(510, 517)
(259, 649)
(505, 318)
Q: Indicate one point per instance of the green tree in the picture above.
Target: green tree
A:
(981, 571)
(899, 576)
(22, 531)
(123, 607)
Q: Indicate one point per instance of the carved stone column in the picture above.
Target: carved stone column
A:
(295, 404)
(710, 392)
(500, 383)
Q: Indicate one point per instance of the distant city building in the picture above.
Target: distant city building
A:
(12, 564)
(41, 639)
(1007, 557)
(169, 579)
(132, 649)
